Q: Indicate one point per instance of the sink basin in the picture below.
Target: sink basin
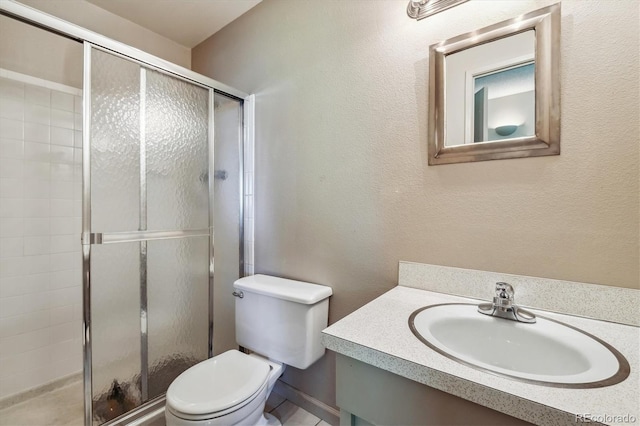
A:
(546, 353)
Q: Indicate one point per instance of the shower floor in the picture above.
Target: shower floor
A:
(63, 406)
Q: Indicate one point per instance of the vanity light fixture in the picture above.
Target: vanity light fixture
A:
(506, 130)
(420, 9)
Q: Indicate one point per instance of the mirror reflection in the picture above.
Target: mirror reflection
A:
(490, 91)
(504, 103)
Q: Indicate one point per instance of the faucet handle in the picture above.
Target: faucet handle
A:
(504, 291)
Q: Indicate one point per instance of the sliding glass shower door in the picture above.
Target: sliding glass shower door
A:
(146, 230)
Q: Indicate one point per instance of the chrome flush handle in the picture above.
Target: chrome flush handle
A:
(239, 294)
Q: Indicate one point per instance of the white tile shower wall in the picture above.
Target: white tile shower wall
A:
(40, 223)
(249, 166)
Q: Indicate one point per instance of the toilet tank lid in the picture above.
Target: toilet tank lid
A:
(282, 288)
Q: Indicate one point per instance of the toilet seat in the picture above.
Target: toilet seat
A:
(231, 415)
(218, 386)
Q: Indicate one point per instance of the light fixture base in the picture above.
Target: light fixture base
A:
(420, 9)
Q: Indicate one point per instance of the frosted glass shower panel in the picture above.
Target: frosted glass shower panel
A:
(115, 143)
(176, 138)
(149, 142)
(178, 308)
(115, 329)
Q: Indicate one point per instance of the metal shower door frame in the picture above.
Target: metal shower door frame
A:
(143, 235)
(90, 39)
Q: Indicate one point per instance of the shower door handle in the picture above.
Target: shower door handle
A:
(126, 237)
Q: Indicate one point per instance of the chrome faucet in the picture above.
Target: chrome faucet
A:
(503, 306)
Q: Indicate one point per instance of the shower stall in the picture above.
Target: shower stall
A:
(156, 163)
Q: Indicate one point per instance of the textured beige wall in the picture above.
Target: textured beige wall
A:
(343, 187)
(33, 51)
(96, 19)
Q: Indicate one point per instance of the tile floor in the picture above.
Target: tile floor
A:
(63, 407)
(290, 414)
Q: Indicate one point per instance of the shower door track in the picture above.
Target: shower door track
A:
(91, 40)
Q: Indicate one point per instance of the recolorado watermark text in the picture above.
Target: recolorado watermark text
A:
(605, 418)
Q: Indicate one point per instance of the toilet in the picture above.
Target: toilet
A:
(280, 321)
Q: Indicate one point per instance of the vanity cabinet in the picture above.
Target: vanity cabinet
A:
(368, 395)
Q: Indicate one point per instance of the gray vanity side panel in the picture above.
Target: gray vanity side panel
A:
(383, 398)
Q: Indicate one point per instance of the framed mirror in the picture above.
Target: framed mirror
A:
(495, 92)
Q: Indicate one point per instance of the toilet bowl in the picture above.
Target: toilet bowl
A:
(229, 389)
(279, 319)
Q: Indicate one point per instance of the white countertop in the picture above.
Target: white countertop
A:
(379, 334)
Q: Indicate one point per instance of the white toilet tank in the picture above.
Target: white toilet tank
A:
(282, 319)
